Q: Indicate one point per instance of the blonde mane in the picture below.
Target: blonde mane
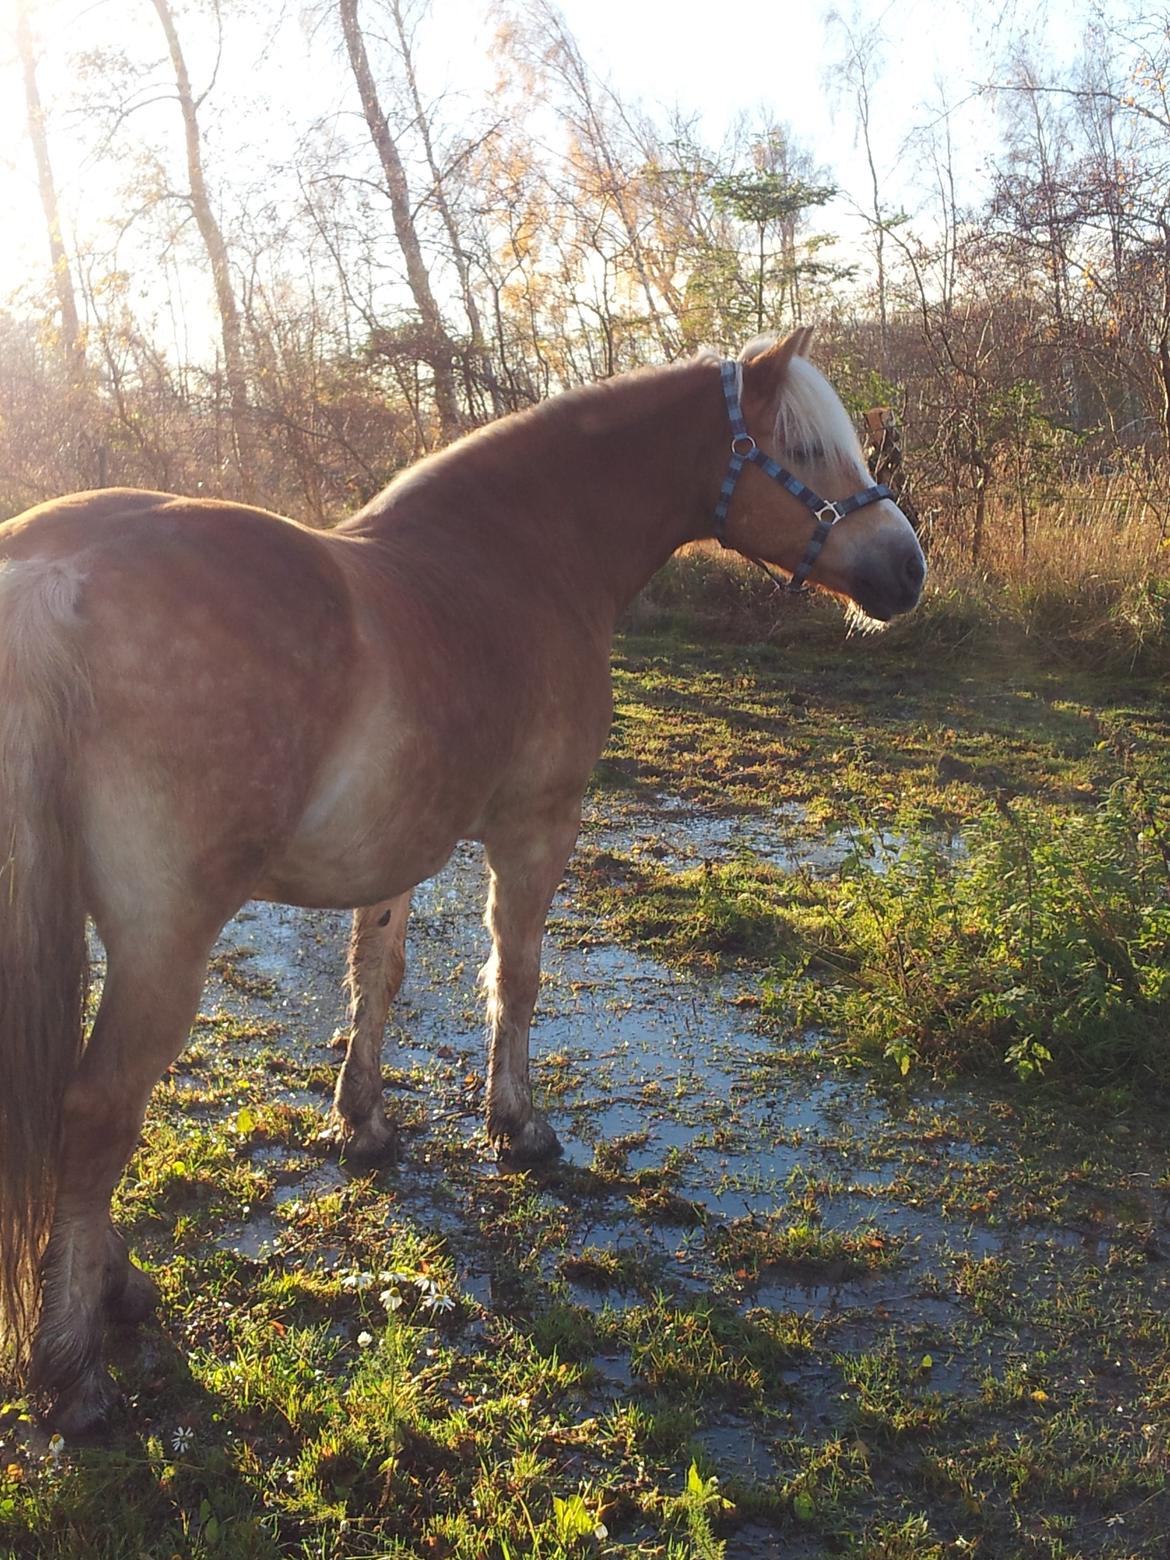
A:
(810, 415)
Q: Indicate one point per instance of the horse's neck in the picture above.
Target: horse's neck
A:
(592, 491)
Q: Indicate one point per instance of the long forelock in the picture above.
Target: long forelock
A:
(810, 414)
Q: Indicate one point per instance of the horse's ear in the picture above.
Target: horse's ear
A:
(765, 373)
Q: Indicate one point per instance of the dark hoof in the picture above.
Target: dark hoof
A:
(534, 1143)
(375, 1142)
(85, 1407)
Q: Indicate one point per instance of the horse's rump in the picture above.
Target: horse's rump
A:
(219, 641)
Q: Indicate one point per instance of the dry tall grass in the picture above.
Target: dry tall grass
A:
(1090, 579)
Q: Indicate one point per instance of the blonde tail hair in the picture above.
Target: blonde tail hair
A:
(43, 957)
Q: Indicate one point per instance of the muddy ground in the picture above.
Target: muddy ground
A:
(772, 1302)
(936, 1260)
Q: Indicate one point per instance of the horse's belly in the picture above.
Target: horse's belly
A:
(309, 874)
(384, 816)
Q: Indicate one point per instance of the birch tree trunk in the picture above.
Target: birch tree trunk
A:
(244, 447)
(437, 345)
(72, 347)
(480, 371)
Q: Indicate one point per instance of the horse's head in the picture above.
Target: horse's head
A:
(870, 556)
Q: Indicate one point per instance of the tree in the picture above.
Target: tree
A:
(862, 58)
(433, 343)
(771, 202)
(71, 338)
(244, 447)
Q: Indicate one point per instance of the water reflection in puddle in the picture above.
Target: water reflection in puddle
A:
(657, 1078)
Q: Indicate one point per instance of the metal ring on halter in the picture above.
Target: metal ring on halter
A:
(745, 450)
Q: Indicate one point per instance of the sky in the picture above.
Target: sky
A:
(784, 55)
(709, 59)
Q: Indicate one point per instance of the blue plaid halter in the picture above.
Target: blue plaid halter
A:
(744, 448)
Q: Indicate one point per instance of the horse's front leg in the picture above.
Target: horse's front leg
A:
(377, 963)
(526, 865)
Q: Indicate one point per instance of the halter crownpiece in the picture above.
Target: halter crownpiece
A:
(744, 448)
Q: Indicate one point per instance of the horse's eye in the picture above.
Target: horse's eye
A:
(806, 454)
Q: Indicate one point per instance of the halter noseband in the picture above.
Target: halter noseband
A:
(744, 448)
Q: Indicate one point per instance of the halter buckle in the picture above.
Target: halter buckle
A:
(828, 513)
(748, 443)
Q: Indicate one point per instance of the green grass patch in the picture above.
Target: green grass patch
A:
(718, 912)
(802, 1248)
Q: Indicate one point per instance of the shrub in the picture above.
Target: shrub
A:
(1040, 942)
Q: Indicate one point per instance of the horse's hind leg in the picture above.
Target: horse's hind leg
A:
(526, 866)
(377, 963)
(149, 1000)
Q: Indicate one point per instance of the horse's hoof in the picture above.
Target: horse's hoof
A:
(532, 1144)
(375, 1142)
(84, 1407)
(136, 1300)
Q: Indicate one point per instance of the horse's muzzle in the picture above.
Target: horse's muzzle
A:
(890, 586)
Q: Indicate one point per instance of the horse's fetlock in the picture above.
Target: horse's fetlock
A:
(128, 1295)
(137, 1299)
(358, 1095)
(372, 1139)
(509, 1107)
(62, 1354)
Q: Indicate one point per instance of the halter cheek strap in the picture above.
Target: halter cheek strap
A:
(744, 449)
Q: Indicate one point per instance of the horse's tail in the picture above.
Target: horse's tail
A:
(43, 956)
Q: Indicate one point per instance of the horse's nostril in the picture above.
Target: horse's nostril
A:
(915, 570)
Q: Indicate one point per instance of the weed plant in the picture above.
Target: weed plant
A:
(1040, 943)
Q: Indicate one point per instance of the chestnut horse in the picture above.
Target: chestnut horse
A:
(202, 703)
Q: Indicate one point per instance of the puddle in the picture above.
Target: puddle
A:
(675, 1115)
(328, 1177)
(614, 1373)
(738, 1450)
(256, 1238)
(676, 835)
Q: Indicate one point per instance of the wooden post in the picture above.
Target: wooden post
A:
(884, 458)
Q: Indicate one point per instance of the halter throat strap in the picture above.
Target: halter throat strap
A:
(744, 449)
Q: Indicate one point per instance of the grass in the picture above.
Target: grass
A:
(1001, 892)
(773, 1304)
(737, 911)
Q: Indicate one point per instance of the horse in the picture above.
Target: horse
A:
(203, 703)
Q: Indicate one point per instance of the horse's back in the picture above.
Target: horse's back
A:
(168, 539)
